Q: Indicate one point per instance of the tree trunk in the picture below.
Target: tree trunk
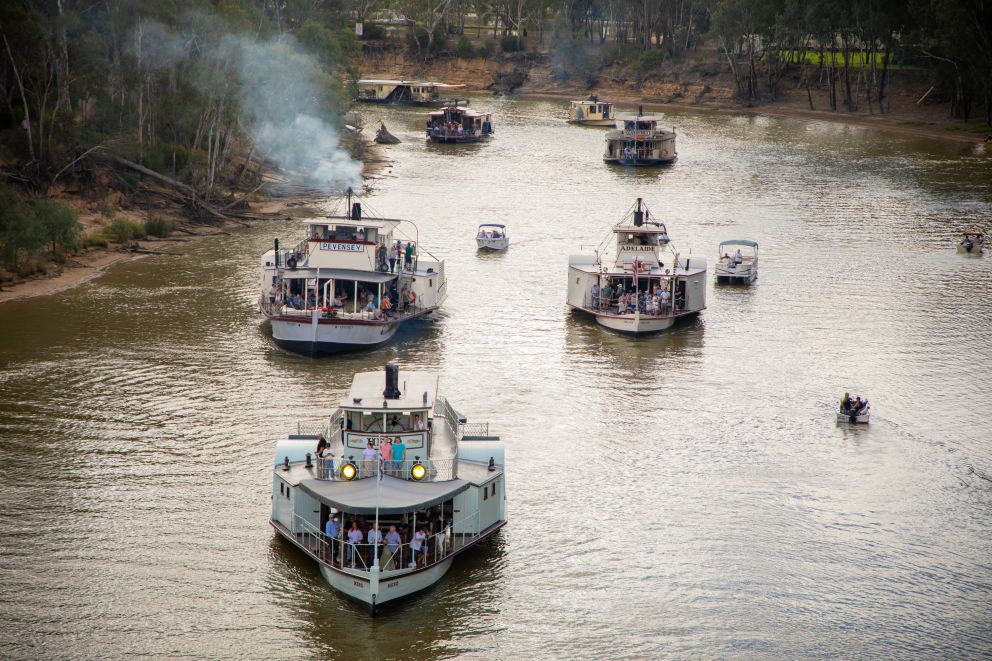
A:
(24, 98)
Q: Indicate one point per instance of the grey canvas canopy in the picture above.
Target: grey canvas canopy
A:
(395, 496)
(739, 242)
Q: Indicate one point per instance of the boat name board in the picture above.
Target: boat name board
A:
(346, 247)
(637, 248)
(411, 440)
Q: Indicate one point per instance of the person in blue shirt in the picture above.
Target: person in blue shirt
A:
(398, 450)
(332, 530)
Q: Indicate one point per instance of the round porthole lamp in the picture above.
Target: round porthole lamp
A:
(349, 471)
(418, 472)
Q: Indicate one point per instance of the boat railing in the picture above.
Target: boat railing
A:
(282, 309)
(392, 557)
(434, 470)
(612, 306)
(444, 132)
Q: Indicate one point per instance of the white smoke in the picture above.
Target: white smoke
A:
(286, 101)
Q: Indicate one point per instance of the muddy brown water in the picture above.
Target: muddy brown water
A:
(687, 495)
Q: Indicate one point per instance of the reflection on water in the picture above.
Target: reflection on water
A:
(683, 495)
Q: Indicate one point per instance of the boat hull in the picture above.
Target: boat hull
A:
(309, 339)
(593, 122)
(740, 275)
(376, 591)
(635, 325)
(492, 244)
(456, 139)
(861, 419)
(641, 162)
(976, 249)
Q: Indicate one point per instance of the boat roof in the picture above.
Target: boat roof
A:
(378, 81)
(346, 221)
(973, 232)
(369, 386)
(647, 228)
(462, 109)
(491, 225)
(739, 242)
(589, 102)
(340, 274)
(389, 495)
(630, 117)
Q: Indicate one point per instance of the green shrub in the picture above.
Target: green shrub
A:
(60, 225)
(96, 240)
(21, 235)
(124, 230)
(487, 49)
(650, 60)
(416, 40)
(107, 210)
(465, 49)
(158, 226)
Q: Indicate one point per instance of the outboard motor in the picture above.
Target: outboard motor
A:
(356, 210)
(392, 390)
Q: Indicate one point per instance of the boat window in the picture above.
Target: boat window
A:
(494, 488)
(485, 493)
(280, 488)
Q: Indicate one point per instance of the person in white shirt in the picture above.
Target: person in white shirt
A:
(418, 424)
(375, 544)
(368, 459)
(738, 257)
(418, 545)
(354, 537)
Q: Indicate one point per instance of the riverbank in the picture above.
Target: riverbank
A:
(701, 83)
(91, 262)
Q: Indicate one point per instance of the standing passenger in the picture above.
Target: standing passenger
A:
(393, 254)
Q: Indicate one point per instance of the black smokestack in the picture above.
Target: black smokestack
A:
(356, 211)
(392, 390)
(638, 215)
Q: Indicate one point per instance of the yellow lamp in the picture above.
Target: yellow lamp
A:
(418, 472)
(349, 471)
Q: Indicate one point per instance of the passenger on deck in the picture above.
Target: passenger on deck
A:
(393, 541)
(405, 298)
(738, 257)
(845, 403)
(368, 459)
(321, 444)
(418, 424)
(664, 298)
(394, 253)
(399, 452)
(417, 545)
(408, 256)
(857, 406)
(595, 294)
(332, 529)
(386, 306)
(386, 452)
(606, 295)
(354, 537)
(374, 537)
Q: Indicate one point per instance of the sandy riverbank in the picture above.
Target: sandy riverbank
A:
(90, 263)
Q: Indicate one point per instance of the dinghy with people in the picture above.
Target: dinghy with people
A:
(856, 411)
(972, 243)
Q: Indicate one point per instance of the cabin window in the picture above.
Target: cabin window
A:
(280, 488)
(485, 493)
(494, 488)
(576, 281)
(430, 282)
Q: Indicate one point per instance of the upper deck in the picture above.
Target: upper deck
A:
(640, 127)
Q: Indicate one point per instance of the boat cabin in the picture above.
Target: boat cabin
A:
(412, 92)
(590, 110)
(459, 121)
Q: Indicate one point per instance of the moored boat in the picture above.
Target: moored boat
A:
(855, 411)
(406, 92)
(398, 459)
(972, 242)
(457, 124)
(737, 266)
(644, 285)
(639, 139)
(492, 236)
(350, 284)
(591, 112)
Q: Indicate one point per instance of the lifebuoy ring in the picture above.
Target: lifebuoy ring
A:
(291, 263)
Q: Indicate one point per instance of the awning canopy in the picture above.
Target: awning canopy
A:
(491, 225)
(393, 495)
(739, 242)
(340, 274)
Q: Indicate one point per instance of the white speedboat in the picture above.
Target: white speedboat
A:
(443, 494)
(972, 243)
(643, 285)
(855, 411)
(492, 237)
(735, 265)
(640, 140)
(591, 112)
(349, 284)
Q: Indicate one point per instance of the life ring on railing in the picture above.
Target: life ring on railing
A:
(291, 263)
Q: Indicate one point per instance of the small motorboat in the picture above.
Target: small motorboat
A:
(737, 267)
(972, 243)
(591, 112)
(492, 237)
(856, 411)
(384, 137)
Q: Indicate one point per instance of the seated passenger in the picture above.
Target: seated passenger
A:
(845, 403)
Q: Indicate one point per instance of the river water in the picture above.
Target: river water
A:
(687, 495)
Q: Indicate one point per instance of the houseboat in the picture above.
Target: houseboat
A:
(591, 112)
(397, 458)
(643, 284)
(349, 284)
(459, 124)
(407, 92)
(972, 242)
(735, 265)
(640, 140)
